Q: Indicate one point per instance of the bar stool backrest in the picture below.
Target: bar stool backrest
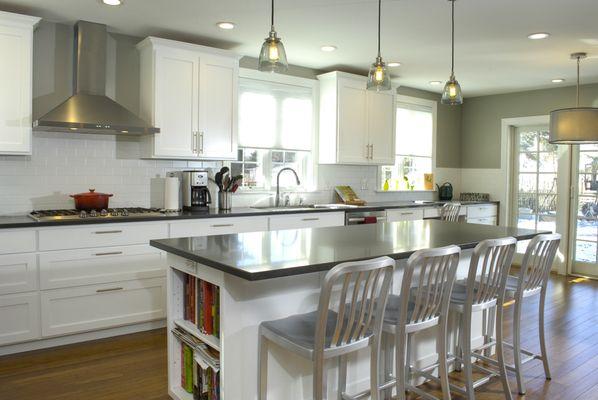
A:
(537, 263)
(427, 283)
(364, 288)
(450, 212)
(489, 270)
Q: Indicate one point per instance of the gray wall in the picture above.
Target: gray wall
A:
(481, 118)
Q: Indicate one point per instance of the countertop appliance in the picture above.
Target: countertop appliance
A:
(365, 217)
(445, 192)
(89, 110)
(110, 213)
(196, 194)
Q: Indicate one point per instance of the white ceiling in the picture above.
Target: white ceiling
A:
(493, 52)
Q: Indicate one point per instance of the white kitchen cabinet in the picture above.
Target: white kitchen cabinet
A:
(306, 220)
(16, 70)
(190, 92)
(485, 214)
(68, 268)
(17, 241)
(218, 226)
(92, 307)
(18, 273)
(404, 214)
(356, 125)
(19, 317)
(482, 221)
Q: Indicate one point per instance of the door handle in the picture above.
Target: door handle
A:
(109, 253)
(107, 232)
(310, 219)
(406, 213)
(194, 142)
(371, 151)
(221, 225)
(109, 290)
(201, 151)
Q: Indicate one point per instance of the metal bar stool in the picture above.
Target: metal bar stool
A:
(450, 212)
(484, 290)
(423, 303)
(326, 333)
(532, 281)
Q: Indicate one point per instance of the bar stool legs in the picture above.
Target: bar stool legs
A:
(262, 370)
(342, 376)
(542, 335)
(517, 348)
(500, 355)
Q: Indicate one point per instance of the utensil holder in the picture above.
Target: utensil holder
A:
(225, 200)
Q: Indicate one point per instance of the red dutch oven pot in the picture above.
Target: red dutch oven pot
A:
(91, 200)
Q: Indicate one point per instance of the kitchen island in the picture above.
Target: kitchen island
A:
(269, 275)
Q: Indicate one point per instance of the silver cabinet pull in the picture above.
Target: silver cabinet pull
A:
(406, 213)
(109, 290)
(371, 151)
(107, 232)
(310, 219)
(201, 142)
(194, 142)
(109, 253)
(221, 225)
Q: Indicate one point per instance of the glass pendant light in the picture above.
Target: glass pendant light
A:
(273, 58)
(576, 125)
(452, 90)
(378, 78)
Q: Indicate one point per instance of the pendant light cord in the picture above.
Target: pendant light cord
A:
(578, 61)
(272, 19)
(452, 38)
(379, 22)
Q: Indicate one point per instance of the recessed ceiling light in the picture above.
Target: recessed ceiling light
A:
(558, 80)
(328, 48)
(538, 35)
(435, 83)
(226, 25)
(113, 2)
(393, 64)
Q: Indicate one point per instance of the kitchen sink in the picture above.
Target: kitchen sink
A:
(304, 207)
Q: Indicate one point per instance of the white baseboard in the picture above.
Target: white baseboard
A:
(80, 337)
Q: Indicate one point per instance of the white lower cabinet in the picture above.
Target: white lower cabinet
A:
(218, 226)
(19, 317)
(482, 221)
(67, 268)
(86, 308)
(485, 214)
(18, 273)
(306, 220)
(404, 214)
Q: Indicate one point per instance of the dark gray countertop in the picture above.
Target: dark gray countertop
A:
(23, 221)
(266, 255)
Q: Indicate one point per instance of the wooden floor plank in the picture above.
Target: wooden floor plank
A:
(134, 366)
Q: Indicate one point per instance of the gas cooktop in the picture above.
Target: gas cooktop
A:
(110, 213)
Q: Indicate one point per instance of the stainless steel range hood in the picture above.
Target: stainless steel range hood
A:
(89, 110)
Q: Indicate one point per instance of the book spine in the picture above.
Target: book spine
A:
(208, 308)
(188, 369)
(200, 324)
(216, 311)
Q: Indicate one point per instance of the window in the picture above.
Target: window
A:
(586, 233)
(276, 126)
(415, 125)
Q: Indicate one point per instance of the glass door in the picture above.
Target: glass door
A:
(584, 226)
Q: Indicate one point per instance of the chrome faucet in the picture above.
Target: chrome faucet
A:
(277, 201)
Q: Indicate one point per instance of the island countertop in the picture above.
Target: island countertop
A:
(273, 254)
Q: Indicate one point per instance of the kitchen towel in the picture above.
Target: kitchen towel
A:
(171, 193)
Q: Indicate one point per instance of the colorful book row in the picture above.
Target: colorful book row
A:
(202, 305)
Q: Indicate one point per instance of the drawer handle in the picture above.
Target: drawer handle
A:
(310, 219)
(406, 213)
(106, 232)
(109, 253)
(221, 225)
(109, 290)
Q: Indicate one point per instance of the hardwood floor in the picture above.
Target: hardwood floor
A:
(134, 366)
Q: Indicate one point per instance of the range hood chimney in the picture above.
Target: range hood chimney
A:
(89, 110)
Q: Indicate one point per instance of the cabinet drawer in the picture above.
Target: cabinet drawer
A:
(404, 214)
(18, 273)
(108, 264)
(482, 210)
(101, 235)
(17, 241)
(218, 226)
(92, 307)
(307, 220)
(482, 221)
(432, 212)
(19, 314)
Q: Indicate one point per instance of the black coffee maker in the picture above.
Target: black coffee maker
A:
(196, 195)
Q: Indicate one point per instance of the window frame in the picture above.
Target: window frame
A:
(309, 183)
(416, 101)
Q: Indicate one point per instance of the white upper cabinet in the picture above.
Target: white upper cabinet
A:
(356, 125)
(190, 92)
(16, 70)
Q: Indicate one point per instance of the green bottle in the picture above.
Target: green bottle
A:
(386, 185)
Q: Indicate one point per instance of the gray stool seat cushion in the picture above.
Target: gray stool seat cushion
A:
(391, 313)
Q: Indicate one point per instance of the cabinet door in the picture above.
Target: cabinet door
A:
(218, 93)
(381, 127)
(176, 99)
(18, 273)
(16, 93)
(19, 314)
(352, 122)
